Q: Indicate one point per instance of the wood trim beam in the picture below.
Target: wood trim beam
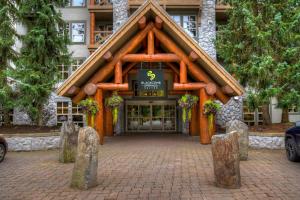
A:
(151, 58)
(196, 71)
(118, 73)
(107, 70)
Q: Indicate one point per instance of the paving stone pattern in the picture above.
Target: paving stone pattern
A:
(149, 167)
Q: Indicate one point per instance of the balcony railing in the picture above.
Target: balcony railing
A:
(101, 36)
(102, 2)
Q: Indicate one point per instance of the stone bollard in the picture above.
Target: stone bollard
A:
(225, 152)
(242, 129)
(68, 142)
(86, 164)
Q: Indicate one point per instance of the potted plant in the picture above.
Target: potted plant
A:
(186, 102)
(211, 108)
(113, 103)
(90, 108)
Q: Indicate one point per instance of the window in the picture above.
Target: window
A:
(66, 70)
(76, 63)
(252, 118)
(77, 3)
(77, 115)
(77, 32)
(188, 23)
(62, 112)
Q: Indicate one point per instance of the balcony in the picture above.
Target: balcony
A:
(100, 5)
(101, 36)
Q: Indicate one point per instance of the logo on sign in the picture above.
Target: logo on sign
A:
(151, 75)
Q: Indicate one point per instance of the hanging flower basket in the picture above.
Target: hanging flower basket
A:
(90, 107)
(211, 108)
(187, 102)
(113, 103)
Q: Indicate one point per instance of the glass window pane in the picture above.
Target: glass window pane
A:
(78, 32)
(78, 3)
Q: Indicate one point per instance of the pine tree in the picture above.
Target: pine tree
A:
(257, 45)
(44, 48)
(7, 53)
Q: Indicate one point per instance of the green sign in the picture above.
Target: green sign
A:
(150, 79)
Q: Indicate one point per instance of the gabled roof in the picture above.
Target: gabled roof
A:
(150, 9)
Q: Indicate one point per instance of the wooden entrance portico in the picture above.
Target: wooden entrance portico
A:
(151, 36)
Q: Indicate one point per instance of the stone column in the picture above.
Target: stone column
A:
(207, 28)
(68, 142)
(86, 164)
(120, 13)
(225, 152)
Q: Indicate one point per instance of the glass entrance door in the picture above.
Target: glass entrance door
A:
(143, 116)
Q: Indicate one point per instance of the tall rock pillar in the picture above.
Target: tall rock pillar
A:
(207, 28)
(120, 13)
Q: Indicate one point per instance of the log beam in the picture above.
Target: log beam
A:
(227, 90)
(99, 122)
(113, 86)
(128, 68)
(211, 89)
(151, 58)
(150, 43)
(73, 90)
(193, 56)
(118, 73)
(196, 71)
(142, 22)
(90, 89)
(108, 56)
(188, 86)
(173, 67)
(183, 72)
(158, 22)
(203, 121)
(107, 70)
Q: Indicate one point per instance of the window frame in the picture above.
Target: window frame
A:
(70, 31)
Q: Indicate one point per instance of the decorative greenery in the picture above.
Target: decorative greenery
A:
(260, 45)
(90, 108)
(114, 102)
(186, 102)
(44, 49)
(8, 55)
(211, 108)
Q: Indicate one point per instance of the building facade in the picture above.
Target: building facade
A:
(92, 22)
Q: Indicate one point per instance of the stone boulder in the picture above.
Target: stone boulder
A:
(68, 142)
(86, 164)
(225, 152)
(242, 129)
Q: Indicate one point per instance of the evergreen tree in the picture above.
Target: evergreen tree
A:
(44, 49)
(8, 55)
(260, 46)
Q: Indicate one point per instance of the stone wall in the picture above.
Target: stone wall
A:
(207, 28)
(32, 143)
(231, 111)
(120, 13)
(260, 142)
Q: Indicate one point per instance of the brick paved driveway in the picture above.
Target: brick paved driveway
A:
(149, 167)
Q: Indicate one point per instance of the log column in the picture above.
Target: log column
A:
(100, 114)
(118, 73)
(203, 122)
(92, 29)
(109, 131)
(183, 72)
(194, 125)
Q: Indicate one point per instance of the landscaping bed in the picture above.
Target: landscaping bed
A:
(25, 129)
(272, 128)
